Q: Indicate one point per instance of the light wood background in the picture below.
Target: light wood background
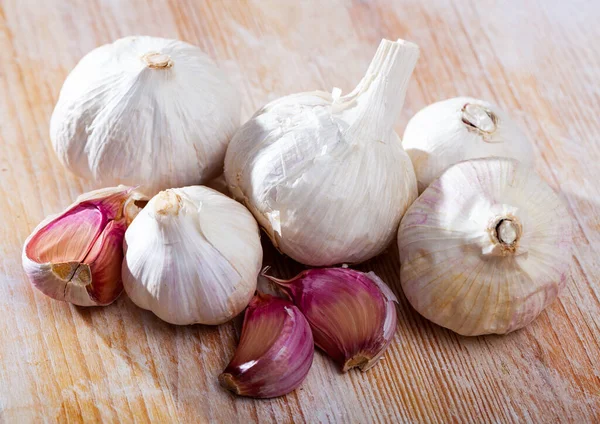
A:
(540, 60)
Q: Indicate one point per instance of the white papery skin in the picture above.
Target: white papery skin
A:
(455, 271)
(192, 255)
(437, 137)
(154, 121)
(326, 176)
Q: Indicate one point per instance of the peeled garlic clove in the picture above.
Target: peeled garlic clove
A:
(324, 175)
(76, 256)
(485, 248)
(192, 255)
(450, 131)
(352, 314)
(145, 110)
(275, 352)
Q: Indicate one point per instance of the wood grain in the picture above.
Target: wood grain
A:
(538, 59)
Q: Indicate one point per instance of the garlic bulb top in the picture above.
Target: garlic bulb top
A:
(485, 248)
(462, 128)
(145, 111)
(324, 175)
(192, 255)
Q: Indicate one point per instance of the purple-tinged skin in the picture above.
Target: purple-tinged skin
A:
(352, 314)
(275, 351)
(87, 236)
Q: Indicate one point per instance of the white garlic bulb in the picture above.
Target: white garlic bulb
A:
(147, 112)
(192, 255)
(462, 128)
(324, 175)
(485, 248)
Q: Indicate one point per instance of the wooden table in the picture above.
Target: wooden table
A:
(539, 60)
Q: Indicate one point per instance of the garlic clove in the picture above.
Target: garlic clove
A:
(192, 256)
(275, 351)
(104, 261)
(76, 256)
(461, 128)
(352, 314)
(485, 248)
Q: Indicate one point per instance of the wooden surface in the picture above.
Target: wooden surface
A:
(539, 60)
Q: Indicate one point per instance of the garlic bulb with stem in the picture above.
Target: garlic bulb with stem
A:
(325, 175)
(485, 248)
(352, 314)
(145, 111)
(453, 130)
(275, 352)
(76, 256)
(192, 255)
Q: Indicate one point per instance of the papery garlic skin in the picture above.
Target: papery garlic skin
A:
(461, 128)
(485, 248)
(192, 255)
(352, 314)
(145, 111)
(326, 176)
(275, 352)
(76, 256)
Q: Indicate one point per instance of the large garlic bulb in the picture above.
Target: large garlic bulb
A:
(462, 128)
(326, 176)
(485, 248)
(192, 255)
(147, 112)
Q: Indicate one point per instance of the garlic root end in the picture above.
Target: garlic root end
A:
(359, 360)
(227, 381)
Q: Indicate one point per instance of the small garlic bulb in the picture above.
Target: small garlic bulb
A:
(324, 175)
(485, 248)
(192, 255)
(145, 111)
(450, 131)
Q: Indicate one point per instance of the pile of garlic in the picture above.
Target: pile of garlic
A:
(484, 249)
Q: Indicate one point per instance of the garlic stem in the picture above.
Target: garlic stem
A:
(507, 232)
(157, 60)
(167, 203)
(479, 118)
(379, 96)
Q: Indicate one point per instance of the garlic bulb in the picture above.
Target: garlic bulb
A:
(275, 352)
(352, 314)
(485, 248)
(76, 256)
(324, 175)
(192, 255)
(145, 111)
(450, 131)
